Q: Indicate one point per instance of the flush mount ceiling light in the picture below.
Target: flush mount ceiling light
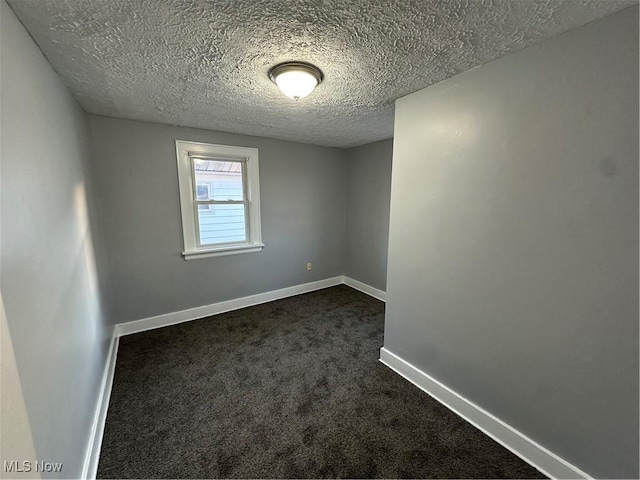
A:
(296, 79)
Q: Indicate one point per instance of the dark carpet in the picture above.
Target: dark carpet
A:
(287, 389)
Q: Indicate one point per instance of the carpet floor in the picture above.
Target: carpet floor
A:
(287, 389)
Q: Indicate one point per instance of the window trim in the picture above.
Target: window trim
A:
(185, 152)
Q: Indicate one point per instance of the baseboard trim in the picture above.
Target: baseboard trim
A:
(364, 288)
(92, 456)
(173, 318)
(531, 452)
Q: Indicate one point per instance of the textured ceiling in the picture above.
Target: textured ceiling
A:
(204, 63)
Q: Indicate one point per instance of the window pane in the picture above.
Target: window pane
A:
(202, 191)
(221, 224)
(223, 180)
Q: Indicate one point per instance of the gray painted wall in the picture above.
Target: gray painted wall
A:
(302, 190)
(49, 279)
(368, 195)
(513, 251)
(15, 436)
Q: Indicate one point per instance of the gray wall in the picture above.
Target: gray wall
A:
(302, 190)
(368, 194)
(513, 250)
(49, 279)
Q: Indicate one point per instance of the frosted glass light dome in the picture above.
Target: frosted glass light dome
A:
(296, 79)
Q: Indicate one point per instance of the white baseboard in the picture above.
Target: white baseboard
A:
(364, 288)
(92, 456)
(214, 309)
(531, 452)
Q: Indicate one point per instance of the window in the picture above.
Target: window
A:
(219, 199)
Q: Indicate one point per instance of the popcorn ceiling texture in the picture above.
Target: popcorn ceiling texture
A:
(204, 63)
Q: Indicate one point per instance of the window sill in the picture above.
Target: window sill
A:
(221, 251)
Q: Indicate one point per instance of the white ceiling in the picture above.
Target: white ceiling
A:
(204, 63)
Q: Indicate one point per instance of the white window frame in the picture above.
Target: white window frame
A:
(186, 152)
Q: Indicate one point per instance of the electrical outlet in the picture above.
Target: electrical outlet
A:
(308, 266)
